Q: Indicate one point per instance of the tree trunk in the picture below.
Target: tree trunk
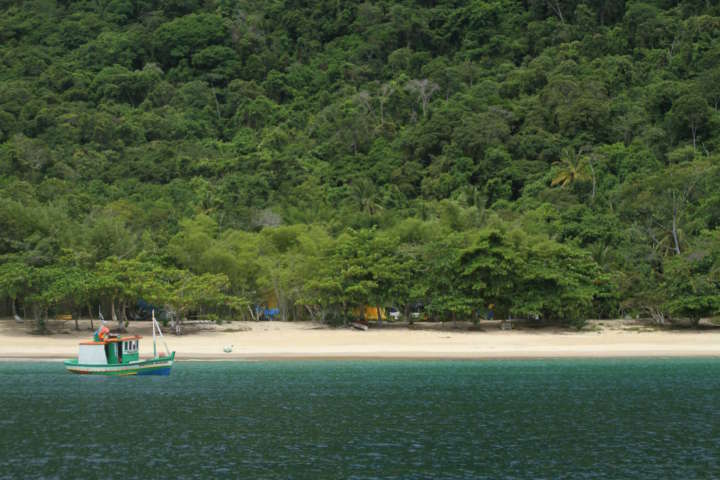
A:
(280, 302)
(408, 316)
(694, 134)
(674, 231)
(555, 6)
(178, 323)
(77, 326)
(217, 105)
(113, 315)
(123, 315)
(17, 318)
(379, 315)
(312, 315)
(42, 315)
(37, 318)
(90, 313)
(594, 180)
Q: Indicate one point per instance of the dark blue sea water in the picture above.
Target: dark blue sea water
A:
(635, 419)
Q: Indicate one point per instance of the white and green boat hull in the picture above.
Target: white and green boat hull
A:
(154, 366)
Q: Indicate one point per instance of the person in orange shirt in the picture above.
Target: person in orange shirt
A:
(101, 333)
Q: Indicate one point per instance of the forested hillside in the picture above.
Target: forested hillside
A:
(554, 158)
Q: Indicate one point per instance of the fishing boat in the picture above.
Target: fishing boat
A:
(109, 354)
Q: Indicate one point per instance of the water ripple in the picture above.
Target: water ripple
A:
(579, 419)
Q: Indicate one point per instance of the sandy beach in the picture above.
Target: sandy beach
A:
(304, 340)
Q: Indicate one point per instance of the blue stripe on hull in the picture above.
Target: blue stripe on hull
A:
(155, 371)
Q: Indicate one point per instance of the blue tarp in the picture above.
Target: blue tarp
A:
(267, 312)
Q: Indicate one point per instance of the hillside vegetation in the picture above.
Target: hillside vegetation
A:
(558, 159)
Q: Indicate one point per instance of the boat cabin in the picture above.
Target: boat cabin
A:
(111, 350)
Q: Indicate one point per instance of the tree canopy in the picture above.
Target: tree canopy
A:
(556, 159)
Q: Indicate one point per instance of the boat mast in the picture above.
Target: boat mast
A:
(155, 355)
(156, 325)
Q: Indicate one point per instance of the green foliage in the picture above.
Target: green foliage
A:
(193, 291)
(692, 280)
(555, 159)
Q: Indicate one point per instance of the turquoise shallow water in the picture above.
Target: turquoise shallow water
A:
(640, 419)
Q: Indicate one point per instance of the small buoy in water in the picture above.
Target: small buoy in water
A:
(227, 348)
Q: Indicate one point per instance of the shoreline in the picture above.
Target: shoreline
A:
(401, 358)
(305, 341)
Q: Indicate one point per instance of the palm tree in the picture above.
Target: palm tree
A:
(574, 167)
(366, 195)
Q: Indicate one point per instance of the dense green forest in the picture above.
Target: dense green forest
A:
(555, 158)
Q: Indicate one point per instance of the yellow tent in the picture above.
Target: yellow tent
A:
(369, 313)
